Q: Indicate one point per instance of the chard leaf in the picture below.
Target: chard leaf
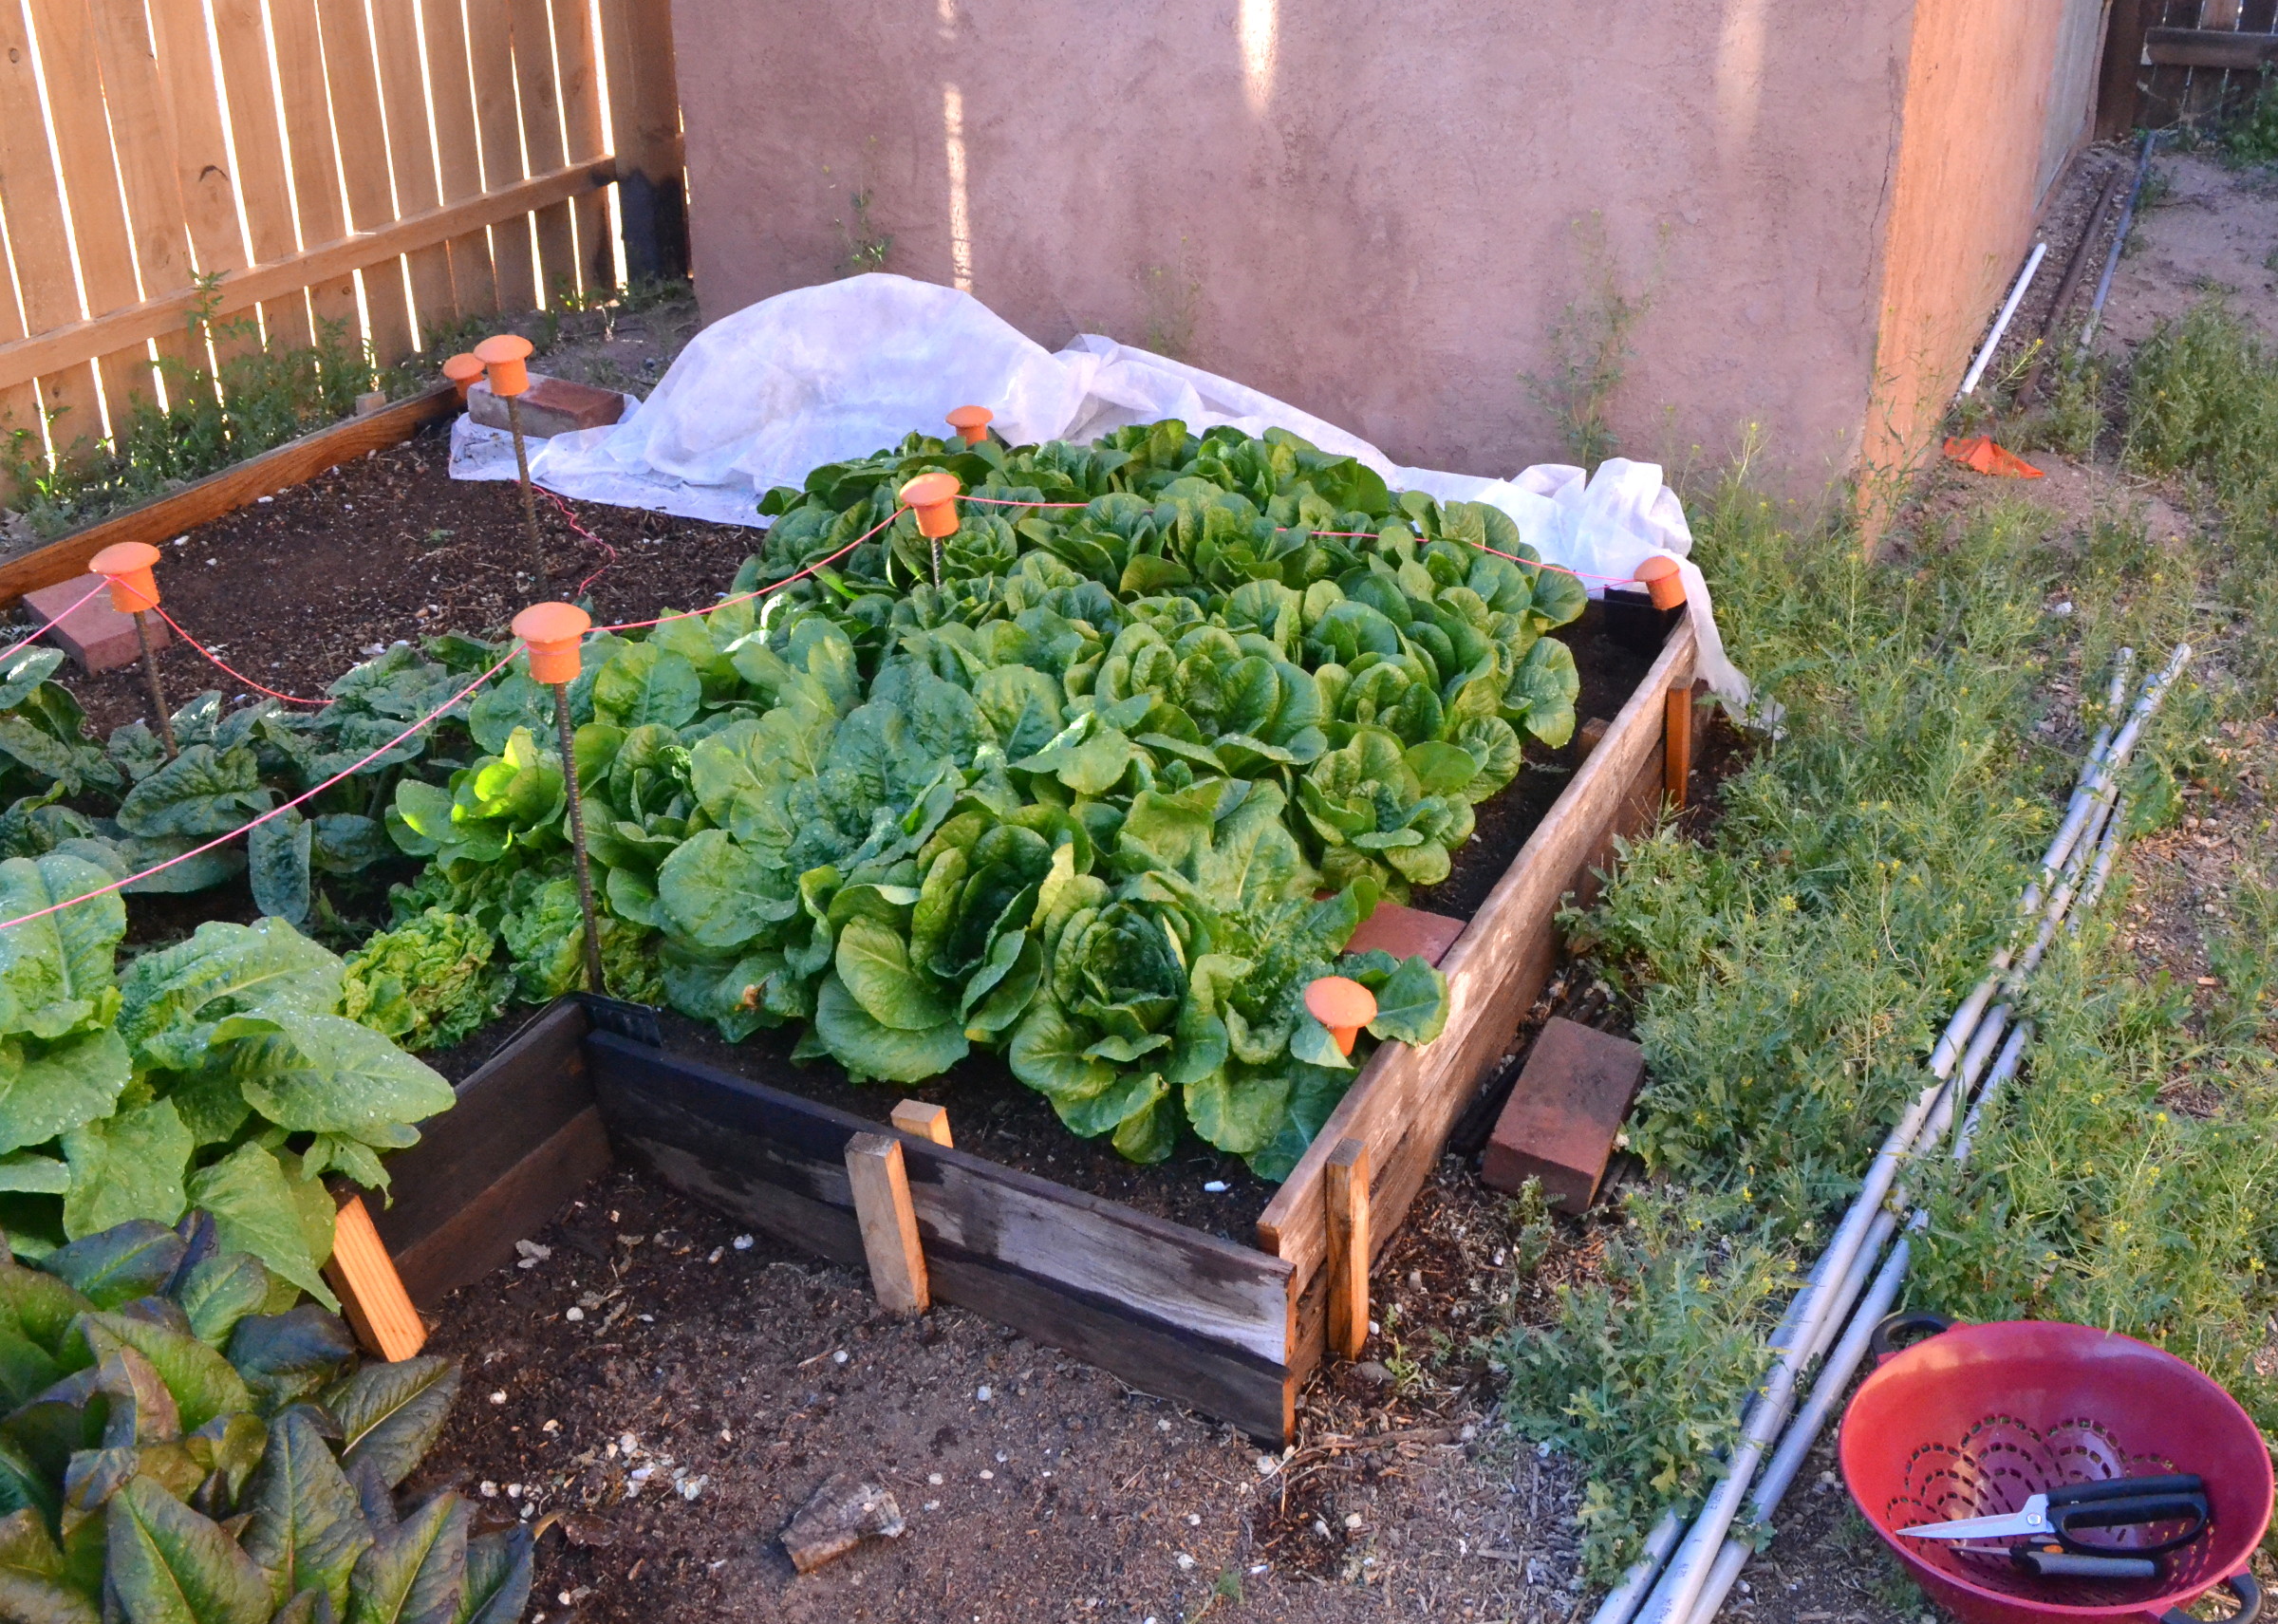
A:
(256, 1211)
(417, 1572)
(55, 972)
(277, 856)
(499, 1579)
(391, 1415)
(200, 792)
(126, 1166)
(33, 1586)
(325, 1073)
(307, 1530)
(286, 1356)
(116, 1266)
(48, 1089)
(220, 1289)
(170, 1565)
(202, 1382)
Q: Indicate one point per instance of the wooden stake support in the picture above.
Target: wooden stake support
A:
(372, 1293)
(1348, 1194)
(1678, 730)
(889, 1221)
(926, 1121)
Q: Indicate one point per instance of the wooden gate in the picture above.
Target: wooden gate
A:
(2175, 61)
(391, 166)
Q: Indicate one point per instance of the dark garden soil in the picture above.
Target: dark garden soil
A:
(294, 589)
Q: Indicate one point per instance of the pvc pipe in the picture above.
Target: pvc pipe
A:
(2001, 323)
(1621, 1602)
(1835, 1376)
(2119, 240)
(2123, 744)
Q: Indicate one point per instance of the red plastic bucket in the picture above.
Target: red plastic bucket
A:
(1970, 1422)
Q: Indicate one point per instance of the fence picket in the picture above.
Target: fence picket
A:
(459, 149)
(489, 45)
(241, 40)
(34, 204)
(380, 169)
(411, 156)
(308, 143)
(539, 94)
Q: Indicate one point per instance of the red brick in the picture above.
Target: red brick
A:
(1405, 932)
(551, 406)
(95, 634)
(1559, 1122)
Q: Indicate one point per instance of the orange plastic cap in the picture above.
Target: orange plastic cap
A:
(552, 631)
(1661, 579)
(1343, 1005)
(933, 498)
(504, 357)
(972, 423)
(126, 565)
(462, 369)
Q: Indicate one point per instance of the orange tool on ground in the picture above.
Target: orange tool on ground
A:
(1980, 453)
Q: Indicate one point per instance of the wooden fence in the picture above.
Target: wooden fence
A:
(391, 166)
(2171, 61)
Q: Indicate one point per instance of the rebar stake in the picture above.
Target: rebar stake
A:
(505, 358)
(126, 565)
(158, 693)
(552, 632)
(529, 500)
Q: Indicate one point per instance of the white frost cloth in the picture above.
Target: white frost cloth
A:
(831, 373)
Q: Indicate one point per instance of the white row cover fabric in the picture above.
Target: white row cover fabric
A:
(833, 372)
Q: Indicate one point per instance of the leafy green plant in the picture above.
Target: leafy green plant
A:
(1642, 1376)
(1072, 802)
(427, 984)
(214, 1072)
(184, 1443)
(2252, 138)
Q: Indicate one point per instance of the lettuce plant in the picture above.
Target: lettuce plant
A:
(217, 1072)
(182, 1443)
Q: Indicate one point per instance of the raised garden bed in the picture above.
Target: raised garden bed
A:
(1231, 1325)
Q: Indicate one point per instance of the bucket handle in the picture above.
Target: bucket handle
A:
(2241, 1585)
(1884, 1344)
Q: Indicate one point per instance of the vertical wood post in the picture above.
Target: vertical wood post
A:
(2116, 94)
(378, 1309)
(645, 126)
(926, 1121)
(1677, 731)
(1347, 1187)
(890, 1224)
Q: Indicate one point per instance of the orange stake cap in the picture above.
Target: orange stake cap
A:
(462, 369)
(1343, 1005)
(1661, 579)
(972, 422)
(126, 565)
(554, 631)
(503, 357)
(933, 498)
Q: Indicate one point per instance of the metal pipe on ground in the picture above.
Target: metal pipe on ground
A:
(1679, 1584)
(2075, 268)
(2119, 240)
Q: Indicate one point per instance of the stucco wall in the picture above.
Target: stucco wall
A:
(1377, 208)
(1978, 108)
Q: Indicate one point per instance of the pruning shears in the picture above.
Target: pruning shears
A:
(2047, 1521)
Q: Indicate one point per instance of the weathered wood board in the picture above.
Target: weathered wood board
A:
(524, 1137)
(1171, 1310)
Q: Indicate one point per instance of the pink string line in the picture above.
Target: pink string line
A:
(571, 518)
(274, 811)
(761, 592)
(1356, 534)
(51, 625)
(288, 698)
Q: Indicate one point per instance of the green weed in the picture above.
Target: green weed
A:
(1640, 1376)
(1591, 351)
(867, 247)
(2252, 139)
(257, 396)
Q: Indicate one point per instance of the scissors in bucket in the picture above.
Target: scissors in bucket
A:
(2115, 1502)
